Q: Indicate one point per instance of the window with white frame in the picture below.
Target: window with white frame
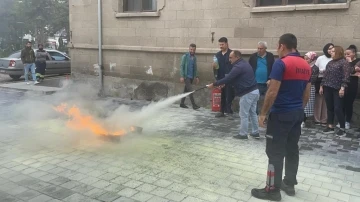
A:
(139, 5)
(293, 2)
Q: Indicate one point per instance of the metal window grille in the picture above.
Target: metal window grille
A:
(139, 5)
(292, 2)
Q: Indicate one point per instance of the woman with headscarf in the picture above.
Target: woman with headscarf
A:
(40, 62)
(320, 110)
(310, 58)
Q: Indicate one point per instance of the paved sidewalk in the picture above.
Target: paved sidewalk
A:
(29, 87)
(50, 85)
(182, 155)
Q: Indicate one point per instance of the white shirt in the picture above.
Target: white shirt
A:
(321, 62)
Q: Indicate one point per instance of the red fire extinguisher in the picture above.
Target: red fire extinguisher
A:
(216, 99)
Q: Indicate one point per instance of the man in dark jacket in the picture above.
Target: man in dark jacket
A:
(242, 78)
(262, 62)
(224, 66)
(28, 60)
(40, 62)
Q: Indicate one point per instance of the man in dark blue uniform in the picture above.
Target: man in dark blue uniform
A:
(287, 95)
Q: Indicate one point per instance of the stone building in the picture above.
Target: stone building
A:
(138, 34)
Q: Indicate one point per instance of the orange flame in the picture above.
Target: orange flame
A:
(79, 121)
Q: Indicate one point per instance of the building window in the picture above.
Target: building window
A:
(292, 2)
(139, 5)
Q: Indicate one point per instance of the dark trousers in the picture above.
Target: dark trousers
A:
(262, 89)
(188, 88)
(282, 137)
(334, 105)
(349, 98)
(40, 70)
(227, 96)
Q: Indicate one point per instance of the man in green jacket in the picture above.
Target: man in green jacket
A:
(28, 60)
(188, 72)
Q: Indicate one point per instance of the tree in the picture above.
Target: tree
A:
(10, 37)
(39, 18)
(61, 17)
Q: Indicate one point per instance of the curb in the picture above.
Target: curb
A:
(26, 90)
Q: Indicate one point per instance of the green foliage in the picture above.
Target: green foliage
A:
(39, 18)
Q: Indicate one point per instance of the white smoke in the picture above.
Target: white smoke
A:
(38, 122)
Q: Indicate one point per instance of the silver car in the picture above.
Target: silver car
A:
(59, 63)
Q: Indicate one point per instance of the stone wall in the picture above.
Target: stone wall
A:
(134, 42)
(182, 22)
(130, 79)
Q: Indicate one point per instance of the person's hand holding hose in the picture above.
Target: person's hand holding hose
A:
(212, 86)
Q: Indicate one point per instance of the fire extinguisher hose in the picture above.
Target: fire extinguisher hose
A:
(200, 89)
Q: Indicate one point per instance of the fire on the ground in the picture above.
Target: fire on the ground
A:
(81, 122)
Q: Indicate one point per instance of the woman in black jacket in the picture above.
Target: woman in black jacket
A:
(351, 90)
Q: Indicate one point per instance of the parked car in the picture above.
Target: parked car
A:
(59, 63)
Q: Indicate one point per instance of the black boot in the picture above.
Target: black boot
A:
(219, 115)
(183, 106)
(288, 189)
(273, 195)
(195, 107)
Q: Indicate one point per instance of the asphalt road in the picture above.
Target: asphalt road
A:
(5, 78)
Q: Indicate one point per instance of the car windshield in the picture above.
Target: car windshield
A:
(15, 55)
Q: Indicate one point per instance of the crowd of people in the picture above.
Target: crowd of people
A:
(293, 89)
(334, 84)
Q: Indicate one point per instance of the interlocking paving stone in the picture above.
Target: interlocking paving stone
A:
(146, 188)
(180, 157)
(108, 196)
(57, 192)
(161, 191)
(124, 199)
(128, 192)
(192, 199)
(142, 196)
(95, 193)
(82, 188)
(158, 199)
(41, 198)
(79, 198)
(175, 196)
(339, 196)
(162, 183)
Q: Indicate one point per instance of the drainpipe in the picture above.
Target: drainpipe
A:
(100, 56)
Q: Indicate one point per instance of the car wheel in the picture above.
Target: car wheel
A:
(15, 77)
